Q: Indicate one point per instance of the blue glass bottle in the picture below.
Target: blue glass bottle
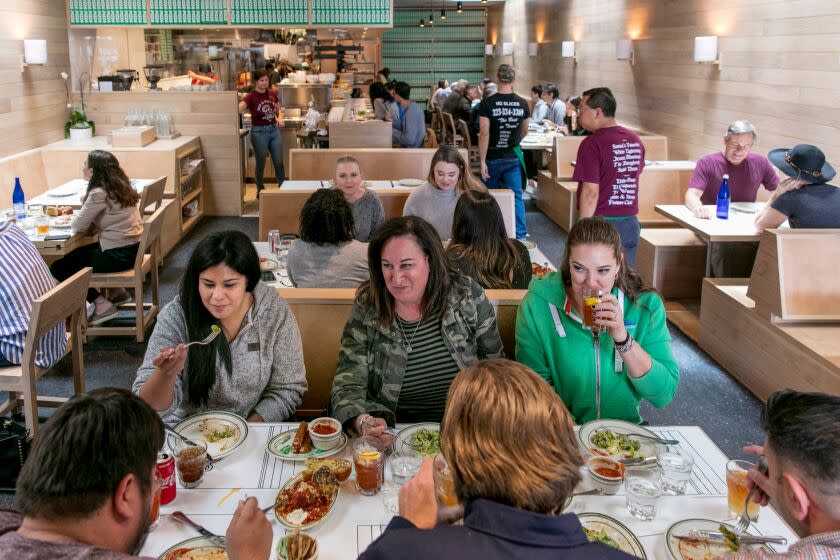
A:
(723, 199)
(19, 201)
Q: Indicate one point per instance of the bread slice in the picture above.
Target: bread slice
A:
(341, 468)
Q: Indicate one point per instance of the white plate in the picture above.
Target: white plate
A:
(281, 447)
(60, 222)
(197, 542)
(410, 182)
(286, 523)
(61, 192)
(268, 264)
(700, 549)
(647, 448)
(627, 541)
(195, 426)
(746, 207)
(406, 435)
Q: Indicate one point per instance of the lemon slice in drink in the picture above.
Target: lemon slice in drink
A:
(369, 456)
(591, 301)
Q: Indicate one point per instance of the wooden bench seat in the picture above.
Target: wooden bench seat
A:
(376, 163)
(673, 261)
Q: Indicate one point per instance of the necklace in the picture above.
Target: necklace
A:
(408, 342)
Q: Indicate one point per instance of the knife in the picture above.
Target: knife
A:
(743, 539)
(213, 538)
(637, 461)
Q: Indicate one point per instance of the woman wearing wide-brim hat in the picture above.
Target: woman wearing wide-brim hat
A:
(805, 198)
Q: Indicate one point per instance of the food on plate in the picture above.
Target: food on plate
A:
(341, 468)
(267, 264)
(426, 441)
(731, 538)
(615, 444)
(221, 433)
(302, 442)
(214, 430)
(197, 553)
(600, 535)
(703, 549)
(324, 428)
(53, 211)
(61, 221)
(297, 546)
(306, 502)
(538, 271)
(325, 480)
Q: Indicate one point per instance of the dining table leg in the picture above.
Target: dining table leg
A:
(708, 259)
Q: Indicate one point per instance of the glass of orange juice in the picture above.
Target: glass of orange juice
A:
(737, 489)
(444, 483)
(591, 298)
(42, 225)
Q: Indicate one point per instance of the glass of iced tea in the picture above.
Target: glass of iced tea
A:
(190, 461)
(737, 489)
(154, 513)
(444, 483)
(42, 225)
(591, 298)
(369, 463)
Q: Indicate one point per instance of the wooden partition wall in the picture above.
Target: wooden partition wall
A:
(376, 163)
(566, 149)
(321, 315)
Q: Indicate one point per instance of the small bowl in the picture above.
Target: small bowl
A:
(599, 471)
(325, 442)
(280, 549)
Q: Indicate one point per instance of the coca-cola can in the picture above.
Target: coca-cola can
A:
(274, 241)
(166, 470)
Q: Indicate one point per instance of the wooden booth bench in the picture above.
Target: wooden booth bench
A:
(565, 152)
(280, 209)
(376, 163)
(782, 328)
(321, 314)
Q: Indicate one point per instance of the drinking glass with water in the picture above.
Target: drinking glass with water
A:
(676, 470)
(643, 487)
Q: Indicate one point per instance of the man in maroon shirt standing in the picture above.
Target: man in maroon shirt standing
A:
(607, 170)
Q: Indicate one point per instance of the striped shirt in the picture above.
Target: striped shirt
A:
(428, 373)
(822, 546)
(24, 277)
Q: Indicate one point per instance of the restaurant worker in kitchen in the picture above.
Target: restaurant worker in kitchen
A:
(635, 347)
(254, 365)
(86, 490)
(414, 325)
(266, 117)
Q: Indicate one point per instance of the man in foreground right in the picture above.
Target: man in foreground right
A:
(802, 447)
(86, 489)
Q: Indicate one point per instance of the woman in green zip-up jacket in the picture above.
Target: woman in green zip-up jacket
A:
(635, 346)
(413, 327)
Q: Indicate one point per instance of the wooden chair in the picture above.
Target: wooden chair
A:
(65, 300)
(133, 279)
(152, 196)
(441, 132)
(450, 134)
(430, 140)
(474, 160)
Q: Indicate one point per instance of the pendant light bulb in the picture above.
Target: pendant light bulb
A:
(431, 18)
(422, 24)
(460, 7)
(443, 15)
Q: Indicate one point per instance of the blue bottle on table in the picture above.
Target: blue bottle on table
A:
(723, 199)
(19, 201)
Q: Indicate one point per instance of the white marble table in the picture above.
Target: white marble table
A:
(77, 188)
(357, 520)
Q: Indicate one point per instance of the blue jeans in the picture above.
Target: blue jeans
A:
(266, 139)
(507, 173)
(629, 230)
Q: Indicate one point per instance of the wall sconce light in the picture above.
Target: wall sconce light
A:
(507, 49)
(624, 51)
(706, 49)
(567, 50)
(488, 50)
(34, 53)
(533, 49)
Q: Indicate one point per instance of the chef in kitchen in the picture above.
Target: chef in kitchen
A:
(204, 76)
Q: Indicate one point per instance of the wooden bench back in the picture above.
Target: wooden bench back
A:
(321, 314)
(29, 167)
(795, 275)
(566, 148)
(280, 209)
(376, 163)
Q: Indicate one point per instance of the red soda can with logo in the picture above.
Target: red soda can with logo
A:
(166, 470)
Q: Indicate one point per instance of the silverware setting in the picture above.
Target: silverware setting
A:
(212, 537)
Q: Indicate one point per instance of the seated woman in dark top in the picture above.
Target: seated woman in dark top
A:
(805, 198)
(480, 247)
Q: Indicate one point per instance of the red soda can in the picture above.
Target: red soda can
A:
(166, 470)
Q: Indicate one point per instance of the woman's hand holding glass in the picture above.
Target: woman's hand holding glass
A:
(609, 315)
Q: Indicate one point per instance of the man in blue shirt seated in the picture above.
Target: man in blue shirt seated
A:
(514, 459)
(24, 277)
(411, 130)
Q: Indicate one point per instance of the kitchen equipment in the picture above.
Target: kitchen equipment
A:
(153, 74)
(127, 76)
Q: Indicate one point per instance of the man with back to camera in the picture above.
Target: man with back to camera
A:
(609, 163)
(747, 171)
(410, 131)
(802, 448)
(503, 123)
(86, 490)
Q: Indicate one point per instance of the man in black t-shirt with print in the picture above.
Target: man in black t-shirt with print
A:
(503, 122)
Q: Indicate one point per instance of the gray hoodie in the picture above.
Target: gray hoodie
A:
(267, 356)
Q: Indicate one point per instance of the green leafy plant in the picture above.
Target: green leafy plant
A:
(78, 120)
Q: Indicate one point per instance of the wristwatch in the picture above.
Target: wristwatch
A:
(625, 345)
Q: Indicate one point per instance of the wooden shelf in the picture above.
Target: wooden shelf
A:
(190, 222)
(187, 198)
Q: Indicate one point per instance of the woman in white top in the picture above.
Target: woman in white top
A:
(109, 208)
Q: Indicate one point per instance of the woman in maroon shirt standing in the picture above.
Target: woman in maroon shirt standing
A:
(266, 117)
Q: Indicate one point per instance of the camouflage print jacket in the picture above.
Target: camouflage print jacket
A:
(372, 358)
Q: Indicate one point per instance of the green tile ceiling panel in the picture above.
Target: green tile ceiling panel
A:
(451, 49)
(269, 12)
(188, 12)
(108, 12)
(351, 12)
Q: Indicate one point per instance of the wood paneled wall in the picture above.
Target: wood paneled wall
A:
(213, 116)
(780, 65)
(32, 102)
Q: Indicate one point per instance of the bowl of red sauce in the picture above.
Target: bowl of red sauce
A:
(605, 473)
(325, 433)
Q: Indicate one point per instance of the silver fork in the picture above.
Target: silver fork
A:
(657, 439)
(744, 521)
(214, 332)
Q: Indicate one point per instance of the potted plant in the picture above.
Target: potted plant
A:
(78, 126)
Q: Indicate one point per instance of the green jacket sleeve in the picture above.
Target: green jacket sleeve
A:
(659, 385)
(529, 347)
(349, 396)
(487, 338)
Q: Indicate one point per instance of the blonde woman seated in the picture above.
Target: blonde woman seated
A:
(511, 447)
(480, 247)
(365, 204)
(434, 200)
